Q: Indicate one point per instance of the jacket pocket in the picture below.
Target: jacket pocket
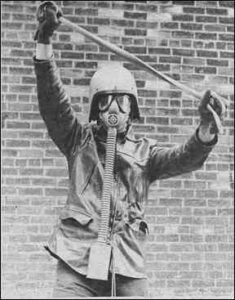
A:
(76, 224)
(75, 216)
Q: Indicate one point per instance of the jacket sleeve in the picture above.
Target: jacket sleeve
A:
(165, 163)
(55, 109)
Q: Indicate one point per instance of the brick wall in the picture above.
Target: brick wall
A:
(190, 251)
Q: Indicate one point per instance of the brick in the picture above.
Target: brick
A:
(88, 65)
(215, 62)
(191, 26)
(21, 89)
(23, 17)
(151, 7)
(226, 3)
(194, 10)
(182, 18)
(205, 19)
(169, 59)
(11, 26)
(17, 125)
(31, 171)
(135, 15)
(225, 283)
(183, 52)
(216, 11)
(170, 25)
(20, 70)
(56, 192)
(226, 194)
(226, 71)
(21, 53)
(215, 27)
(226, 37)
(12, 7)
(14, 44)
(226, 20)
(10, 79)
(6, 16)
(206, 70)
(192, 220)
(72, 55)
(101, 21)
(86, 11)
(10, 61)
(183, 2)
(62, 46)
(179, 211)
(30, 191)
(205, 36)
(181, 121)
(205, 53)
(159, 51)
(157, 120)
(96, 56)
(19, 143)
(38, 238)
(30, 116)
(29, 153)
(170, 202)
(204, 211)
(230, 28)
(122, 5)
(186, 247)
(135, 32)
(34, 162)
(182, 34)
(122, 23)
(57, 173)
(203, 283)
(195, 202)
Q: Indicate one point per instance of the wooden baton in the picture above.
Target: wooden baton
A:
(137, 61)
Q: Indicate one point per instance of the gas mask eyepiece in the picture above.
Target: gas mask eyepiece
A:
(122, 100)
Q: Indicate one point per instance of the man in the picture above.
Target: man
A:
(137, 164)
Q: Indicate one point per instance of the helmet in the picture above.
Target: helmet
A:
(112, 80)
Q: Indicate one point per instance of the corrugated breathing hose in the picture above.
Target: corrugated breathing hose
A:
(100, 252)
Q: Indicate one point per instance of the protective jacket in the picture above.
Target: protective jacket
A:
(138, 163)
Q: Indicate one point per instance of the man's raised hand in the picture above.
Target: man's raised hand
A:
(48, 15)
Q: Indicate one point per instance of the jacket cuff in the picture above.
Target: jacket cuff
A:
(42, 66)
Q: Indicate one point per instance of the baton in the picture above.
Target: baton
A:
(137, 61)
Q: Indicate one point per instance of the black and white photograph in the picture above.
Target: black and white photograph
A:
(117, 149)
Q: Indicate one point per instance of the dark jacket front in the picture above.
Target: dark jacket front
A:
(138, 163)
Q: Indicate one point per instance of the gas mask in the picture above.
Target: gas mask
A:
(112, 107)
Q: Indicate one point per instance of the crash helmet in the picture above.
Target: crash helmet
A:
(112, 79)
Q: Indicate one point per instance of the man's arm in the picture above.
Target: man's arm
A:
(54, 104)
(165, 163)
